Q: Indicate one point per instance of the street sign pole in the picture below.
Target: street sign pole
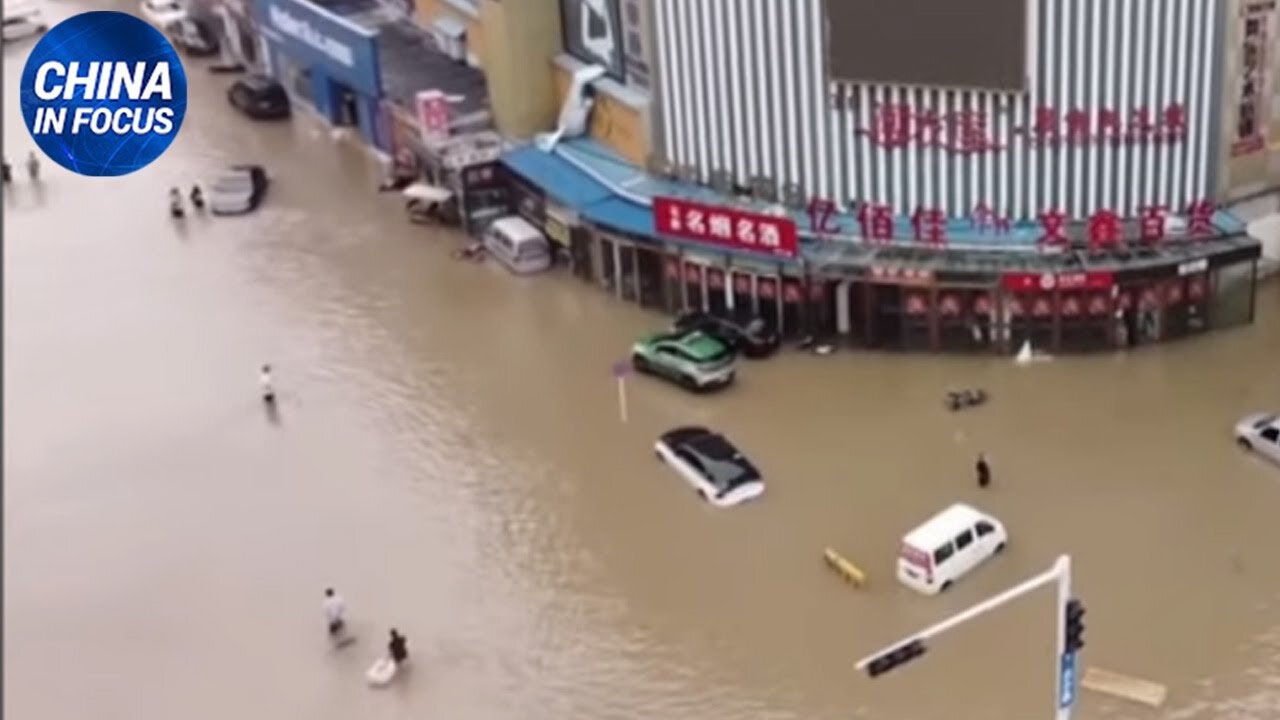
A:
(1066, 661)
(622, 397)
(620, 371)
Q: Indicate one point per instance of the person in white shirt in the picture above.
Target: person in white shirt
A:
(335, 611)
(268, 388)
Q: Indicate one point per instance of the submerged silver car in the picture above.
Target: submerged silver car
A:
(1261, 434)
(238, 191)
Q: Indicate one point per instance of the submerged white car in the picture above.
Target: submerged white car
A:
(23, 22)
(162, 13)
(239, 190)
(1261, 434)
(717, 470)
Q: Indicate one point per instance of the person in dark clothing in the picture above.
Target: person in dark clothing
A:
(397, 648)
(197, 197)
(984, 471)
(7, 171)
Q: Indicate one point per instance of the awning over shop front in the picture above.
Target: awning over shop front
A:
(560, 180)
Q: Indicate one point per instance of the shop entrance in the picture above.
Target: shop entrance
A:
(346, 109)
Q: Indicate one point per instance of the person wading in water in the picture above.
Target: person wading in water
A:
(983, 470)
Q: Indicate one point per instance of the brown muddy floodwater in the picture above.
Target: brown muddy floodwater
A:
(450, 457)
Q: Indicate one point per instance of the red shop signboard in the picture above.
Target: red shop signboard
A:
(726, 227)
(1046, 282)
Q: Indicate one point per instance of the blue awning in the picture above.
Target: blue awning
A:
(557, 177)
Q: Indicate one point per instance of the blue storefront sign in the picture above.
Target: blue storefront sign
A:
(340, 56)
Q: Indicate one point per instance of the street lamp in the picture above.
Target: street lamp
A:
(1069, 622)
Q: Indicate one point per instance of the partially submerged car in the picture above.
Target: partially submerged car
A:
(750, 336)
(193, 37)
(717, 470)
(692, 359)
(239, 190)
(23, 21)
(1261, 434)
(162, 13)
(259, 97)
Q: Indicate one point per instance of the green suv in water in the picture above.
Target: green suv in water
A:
(692, 359)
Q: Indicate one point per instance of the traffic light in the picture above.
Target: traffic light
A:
(900, 655)
(1073, 626)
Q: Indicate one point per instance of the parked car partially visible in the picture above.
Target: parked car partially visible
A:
(239, 190)
(162, 13)
(259, 97)
(193, 37)
(1261, 434)
(23, 22)
(752, 336)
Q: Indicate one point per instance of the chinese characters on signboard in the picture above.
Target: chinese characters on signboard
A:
(899, 125)
(727, 227)
(1253, 96)
(433, 116)
(877, 224)
(1103, 230)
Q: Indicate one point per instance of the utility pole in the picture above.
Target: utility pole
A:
(1068, 626)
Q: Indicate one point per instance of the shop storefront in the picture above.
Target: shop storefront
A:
(328, 61)
(483, 195)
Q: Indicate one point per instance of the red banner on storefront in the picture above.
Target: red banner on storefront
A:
(1045, 282)
(727, 227)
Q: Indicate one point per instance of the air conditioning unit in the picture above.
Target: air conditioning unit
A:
(722, 182)
(655, 164)
(764, 189)
(793, 196)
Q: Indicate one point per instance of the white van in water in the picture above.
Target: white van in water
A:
(947, 546)
(518, 245)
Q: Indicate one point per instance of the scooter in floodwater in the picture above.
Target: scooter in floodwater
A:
(961, 399)
(473, 252)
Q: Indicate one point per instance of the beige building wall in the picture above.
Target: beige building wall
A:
(621, 126)
(1250, 138)
(514, 42)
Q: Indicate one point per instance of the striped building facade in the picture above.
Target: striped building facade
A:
(1119, 113)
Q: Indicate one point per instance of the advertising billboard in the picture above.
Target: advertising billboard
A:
(974, 44)
(592, 31)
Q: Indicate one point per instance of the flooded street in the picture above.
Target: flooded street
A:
(450, 458)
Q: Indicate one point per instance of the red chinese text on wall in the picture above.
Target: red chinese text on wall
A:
(1105, 229)
(726, 227)
(900, 125)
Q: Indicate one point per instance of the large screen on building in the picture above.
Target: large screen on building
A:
(938, 43)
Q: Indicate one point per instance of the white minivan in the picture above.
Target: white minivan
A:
(518, 245)
(947, 546)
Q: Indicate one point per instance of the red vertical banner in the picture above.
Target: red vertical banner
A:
(433, 115)
(1252, 97)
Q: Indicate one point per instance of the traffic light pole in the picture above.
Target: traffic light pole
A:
(1064, 663)
(1066, 670)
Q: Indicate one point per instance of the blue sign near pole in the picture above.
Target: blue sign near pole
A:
(1067, 681)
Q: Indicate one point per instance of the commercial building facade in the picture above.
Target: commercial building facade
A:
(1118, 111)
(740, 159)
(328, 60)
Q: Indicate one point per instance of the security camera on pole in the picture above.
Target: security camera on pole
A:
(1068, 624)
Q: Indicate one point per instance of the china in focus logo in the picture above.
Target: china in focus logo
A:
(103, 94)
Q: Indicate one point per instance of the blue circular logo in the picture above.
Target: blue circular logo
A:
(103, 94)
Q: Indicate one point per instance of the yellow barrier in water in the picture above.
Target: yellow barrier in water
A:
(844, 568)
